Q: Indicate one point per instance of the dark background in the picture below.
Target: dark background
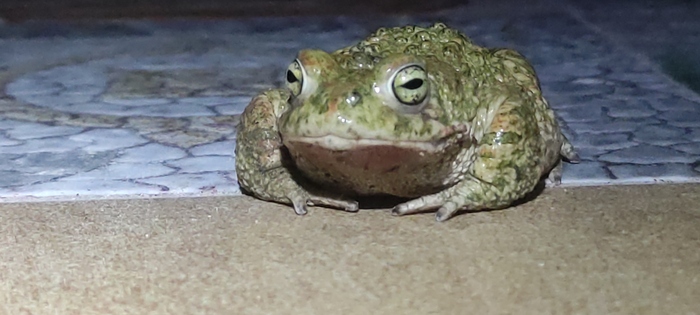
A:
(22, 10)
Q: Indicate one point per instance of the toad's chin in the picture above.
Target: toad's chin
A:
(370, 167)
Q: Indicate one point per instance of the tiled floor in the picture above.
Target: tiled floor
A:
(134, 109)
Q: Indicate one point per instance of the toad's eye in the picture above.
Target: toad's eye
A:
(410, 85)
(295, 78)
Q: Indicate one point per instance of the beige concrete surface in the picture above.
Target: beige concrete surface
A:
(589, 250)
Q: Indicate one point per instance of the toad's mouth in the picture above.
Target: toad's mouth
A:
(372, 166)
(336, 143)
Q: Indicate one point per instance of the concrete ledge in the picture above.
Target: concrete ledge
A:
(590, 250)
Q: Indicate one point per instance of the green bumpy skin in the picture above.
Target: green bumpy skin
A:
(414, 112)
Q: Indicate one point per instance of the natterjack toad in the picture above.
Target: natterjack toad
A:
(413, 112)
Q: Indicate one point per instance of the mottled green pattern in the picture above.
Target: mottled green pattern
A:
(473, 132)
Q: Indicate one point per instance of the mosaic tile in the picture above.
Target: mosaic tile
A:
(653, 173)
(568, 71)
(185, 138)
(30, 86)
(582, 113)
(232, 109)
(584, 87)
(217, 148)
(586, 173)
(56, 164)
(214, 100)
(682, 118)
(140, 108)
(96, 108)
(202, 164)
(692, 134)
(647, 154)
(691, 148)
(5, 141)
(195, 183)
(170, 110)
(32, 131)
(62, 190)
(604, 126)
(605, 142)
(152, 152)
(108, 139)
(13, 178)
(658, 134)
(126, 171)
(631, 110)
(138, 102)
(55, 145)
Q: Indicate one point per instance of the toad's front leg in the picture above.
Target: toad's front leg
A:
(510, 160)
(264, 168)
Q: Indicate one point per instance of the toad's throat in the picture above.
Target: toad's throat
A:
(370, 166)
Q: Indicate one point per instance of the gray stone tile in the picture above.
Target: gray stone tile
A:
(136, 101)
(568, 71)
(647, 154)
(598, 127)
(632, 110)
(152, 152)
(682, 118)
(643, 79)
(670, 172)
(123, 171)
(579, 87)
(54, 164)
(585, 172)
(224, 148)
(581, 113)
(29, 86)
(233, 109)
(94, 108)
(673, 103)
(604, 141)
(84, 188)
(9, 123)
(89, 89)
(692, 134)
(56, 100)
(54, 145)
(107, 139)
(12, 178)
(658, 134)
(690, 147)
(5, 141)
(34, 130)
(201, 164)
(170, 110)
(210, 101)
(196, 183)
(583, 102)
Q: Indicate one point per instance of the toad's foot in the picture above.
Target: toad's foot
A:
(468, 195)
(301, 198)
(279, 185)
(446, 201)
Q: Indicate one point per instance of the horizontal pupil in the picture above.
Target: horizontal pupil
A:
(291, 78)
(413, 84)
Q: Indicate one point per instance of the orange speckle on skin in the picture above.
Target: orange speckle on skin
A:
(332, 107)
